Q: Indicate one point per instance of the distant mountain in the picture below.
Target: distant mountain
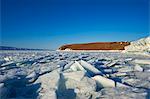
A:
(15, 48)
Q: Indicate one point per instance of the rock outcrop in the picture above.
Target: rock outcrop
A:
(96, 46)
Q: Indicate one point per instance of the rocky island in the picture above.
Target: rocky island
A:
(96, 46)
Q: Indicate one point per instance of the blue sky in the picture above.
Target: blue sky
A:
(52, 23)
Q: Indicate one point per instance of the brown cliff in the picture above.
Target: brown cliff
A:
(96, 46)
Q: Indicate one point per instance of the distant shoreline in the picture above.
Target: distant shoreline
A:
(27, 50)
(89, 50)
(24, 49)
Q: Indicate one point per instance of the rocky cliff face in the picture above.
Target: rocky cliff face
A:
(141, 45)
(96, 46)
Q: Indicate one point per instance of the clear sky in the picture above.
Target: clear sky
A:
(51, 23)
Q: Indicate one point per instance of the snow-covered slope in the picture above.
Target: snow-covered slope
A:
(141, 45)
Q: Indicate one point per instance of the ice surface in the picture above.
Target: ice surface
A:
(105, 82)
(138, 68)
(139, 61)
(73, 75)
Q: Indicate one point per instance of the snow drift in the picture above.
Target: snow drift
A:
(141, 45)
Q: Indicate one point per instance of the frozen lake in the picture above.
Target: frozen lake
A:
(77, 75)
